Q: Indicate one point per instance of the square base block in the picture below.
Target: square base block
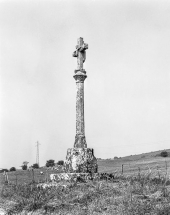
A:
(80, 160)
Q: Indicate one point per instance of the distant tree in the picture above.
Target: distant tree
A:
(116, 157)
(164, 154)
(50, 163)
(60, 163)
(12, 169)
(35, 166)
(4, 170)
(24, 167)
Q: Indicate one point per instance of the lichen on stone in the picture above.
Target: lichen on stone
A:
(80, 160)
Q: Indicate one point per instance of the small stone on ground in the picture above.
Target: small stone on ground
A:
(2, 212)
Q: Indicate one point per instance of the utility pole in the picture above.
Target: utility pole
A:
(37, 155)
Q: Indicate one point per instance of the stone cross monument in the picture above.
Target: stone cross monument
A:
(80, 159)
(80, 76)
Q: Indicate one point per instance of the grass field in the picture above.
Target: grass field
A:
(141, 187)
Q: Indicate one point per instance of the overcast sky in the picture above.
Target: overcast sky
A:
(127, 91)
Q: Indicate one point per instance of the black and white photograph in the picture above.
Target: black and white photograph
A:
(85, 107)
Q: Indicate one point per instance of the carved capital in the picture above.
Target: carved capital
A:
(79, 71)
(80, 77)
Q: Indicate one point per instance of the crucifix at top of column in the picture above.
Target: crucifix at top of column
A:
(80, 53)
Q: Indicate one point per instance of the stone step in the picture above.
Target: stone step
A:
(80, 176)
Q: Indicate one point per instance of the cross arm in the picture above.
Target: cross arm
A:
(82, 47)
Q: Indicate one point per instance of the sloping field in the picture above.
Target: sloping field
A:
(137, 163)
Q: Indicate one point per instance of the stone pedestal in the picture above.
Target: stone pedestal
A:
(80, 160)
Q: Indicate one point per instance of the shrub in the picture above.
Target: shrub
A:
(60, 162)
(35, 166)
(164, 154)
(50, 163)
(24, 167)
(12, 169)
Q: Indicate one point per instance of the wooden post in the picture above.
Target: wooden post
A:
(46, 176)
(16, 179)
(6, 177)
(122, 169)
(166, 167)
(139, 169)
(33, 176)
(158, 172)
(139, 172)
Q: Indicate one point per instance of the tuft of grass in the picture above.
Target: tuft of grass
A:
(138, 194)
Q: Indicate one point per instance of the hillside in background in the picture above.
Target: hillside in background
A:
(151, 161)
(139, 156)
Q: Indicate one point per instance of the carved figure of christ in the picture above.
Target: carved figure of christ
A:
(80, 53)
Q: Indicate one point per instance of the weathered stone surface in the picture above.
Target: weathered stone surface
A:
(80, 160)
(72, 177)
(80, 177)
(80, 141)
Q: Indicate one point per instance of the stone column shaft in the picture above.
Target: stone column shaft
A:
(80, 109)
(80, 141)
